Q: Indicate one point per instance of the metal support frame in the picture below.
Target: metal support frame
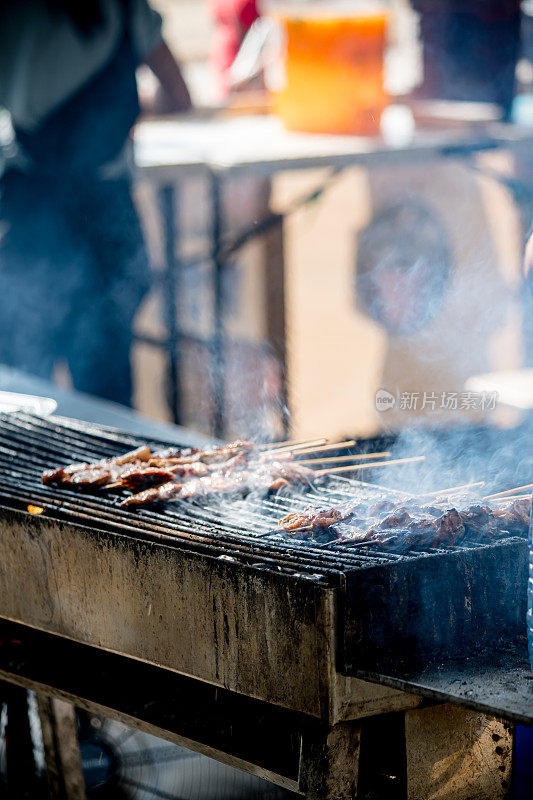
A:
(61, 749)
(329, 765)
(218, 261)
(171, 284)
(219, 253)
(447, 752)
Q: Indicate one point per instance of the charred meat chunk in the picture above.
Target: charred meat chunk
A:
(449, 528)
(97, 474)
(398, 519)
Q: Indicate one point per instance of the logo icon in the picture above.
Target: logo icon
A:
(384, 400)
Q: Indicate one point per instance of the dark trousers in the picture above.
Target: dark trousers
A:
(470, 49)
(73, 271)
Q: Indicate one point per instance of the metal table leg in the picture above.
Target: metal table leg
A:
(218, 345)
(275, 305)
(168, 207)
(23, 782)
(329, 765)
(171, 283)
(61, 749)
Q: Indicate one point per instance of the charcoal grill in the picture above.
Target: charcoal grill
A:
(205, 591)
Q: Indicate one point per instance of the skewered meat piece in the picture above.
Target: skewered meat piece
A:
(98, 473)
(381, 506)
(141, 477)
(93, 477)
(176, 452)
(180, 490)
(520, 509)
(312, 519)
(137, 478)
(414, 534)
(158, 494)
(274, 475)
(399, 519)
(229, 479)
(410, 525)
(219, 454)
(449, 528)
(479, 522)
(513, 516)
(196, 487)
(106, 471)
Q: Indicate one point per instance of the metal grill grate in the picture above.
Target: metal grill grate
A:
(390, 607)
(236, 528)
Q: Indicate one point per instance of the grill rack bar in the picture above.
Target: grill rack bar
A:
(89, 511)
(106, 521)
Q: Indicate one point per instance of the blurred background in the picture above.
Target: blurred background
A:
(309, 305)
(342, 212)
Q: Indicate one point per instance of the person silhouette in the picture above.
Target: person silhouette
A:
(73, 265)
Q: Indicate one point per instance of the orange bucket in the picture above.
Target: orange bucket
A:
(325, 72)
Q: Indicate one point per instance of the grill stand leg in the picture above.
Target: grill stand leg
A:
(171, 288)
(329, 762)
(23, 782)
(219, 337)
(61, 749)
(456, 753)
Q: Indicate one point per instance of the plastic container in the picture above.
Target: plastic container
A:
(325, 73)
(530, 595)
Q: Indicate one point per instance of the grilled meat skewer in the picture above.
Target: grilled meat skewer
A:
(174, 490)
(312, 520)
(137, 478)
(110, 470)
(95, 474)
(268, 476)
(409, 524)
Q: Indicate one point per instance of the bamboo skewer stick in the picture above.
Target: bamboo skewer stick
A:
(279, 451)
(336, 459)
(508, 491)
(512, 497)
(305, 451)
(355, 467)
(292, 444)
(403, 495)
(451, 489)
(296, 447)
(326, 447)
